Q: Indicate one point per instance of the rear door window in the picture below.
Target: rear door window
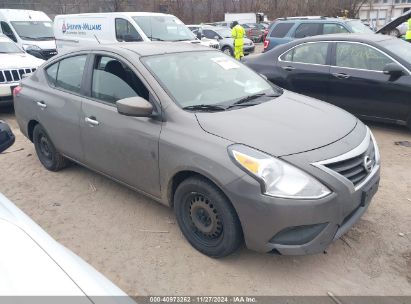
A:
(281, 30)
(360, 56)
(113, 80)
(308, 29)
(70, 73)
(125, 31)
(310, 53)
(209, 34)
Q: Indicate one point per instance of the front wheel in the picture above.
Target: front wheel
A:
(228, 51)
(206, 218)
(46, 152)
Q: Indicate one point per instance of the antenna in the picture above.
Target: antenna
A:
(95, 36)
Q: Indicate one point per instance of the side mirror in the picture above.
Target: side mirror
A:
(6, 136)
(217, 37)
(134, 106)
(393, 69)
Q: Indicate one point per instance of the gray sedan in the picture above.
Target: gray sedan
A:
(223, 36)
(238, 158)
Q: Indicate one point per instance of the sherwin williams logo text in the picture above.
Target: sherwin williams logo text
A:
(81, 27)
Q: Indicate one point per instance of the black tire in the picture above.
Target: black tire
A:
(46, 152)
(207, 218)
(395, 33)
(228, 51)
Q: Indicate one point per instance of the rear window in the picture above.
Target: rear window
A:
(308, 29)
(281, 29)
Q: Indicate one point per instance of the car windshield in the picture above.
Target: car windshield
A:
(34, 30)
(164, 28)
(225, 33)
(206, 78)
(9, 47)
(358, 27)
(398, 47)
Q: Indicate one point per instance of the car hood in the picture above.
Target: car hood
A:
(395, 23)
(19, 60)
(43, 44)
(286, 125)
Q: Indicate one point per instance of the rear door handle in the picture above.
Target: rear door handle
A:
(289, 68)
(91, 120)
(41, 104)
(341, 75)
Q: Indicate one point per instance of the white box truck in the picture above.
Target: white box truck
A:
(31, 30)
(84, 29)
(245, 17)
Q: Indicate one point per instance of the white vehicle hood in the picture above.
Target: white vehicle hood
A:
(18, 60)
(44, 45)
(33, 263)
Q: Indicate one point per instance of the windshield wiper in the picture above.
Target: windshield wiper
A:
(157, 39)
(246, 100)
(185, 39)
(205, 108)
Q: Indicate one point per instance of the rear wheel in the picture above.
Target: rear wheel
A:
(46, 152)
(395, 33)
(206, 218)
(228, 51)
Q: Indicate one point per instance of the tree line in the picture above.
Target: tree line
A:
(196, 11)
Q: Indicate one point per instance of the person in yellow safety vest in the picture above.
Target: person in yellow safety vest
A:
(408, 34)
(238, 34)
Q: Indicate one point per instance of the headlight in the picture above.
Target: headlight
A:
(31, 47)
(277, 177)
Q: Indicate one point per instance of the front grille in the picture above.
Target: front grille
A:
(354, 169)
(14, 75)
(49, 53)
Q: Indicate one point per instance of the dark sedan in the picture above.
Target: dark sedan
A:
(367, 75)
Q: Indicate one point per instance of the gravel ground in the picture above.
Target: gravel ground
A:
(107, 225)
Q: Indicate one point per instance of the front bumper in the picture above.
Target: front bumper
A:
(6, 93)
(300, 227)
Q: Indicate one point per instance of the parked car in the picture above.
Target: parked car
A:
(223, 36)
(397, 27)
(79, 30)
(254, 33)
(235, 156)
(34, 264)
(368, 75)
(288, 29)
(14, 63)
(6, 136)
(31, 30)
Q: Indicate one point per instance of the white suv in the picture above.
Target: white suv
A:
(14, 63)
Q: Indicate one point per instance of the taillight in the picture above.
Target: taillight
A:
(17, 90)
(266, 43)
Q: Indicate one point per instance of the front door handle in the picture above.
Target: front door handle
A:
(91, 120)
(289, 68)
(341, 75)
(41, 104)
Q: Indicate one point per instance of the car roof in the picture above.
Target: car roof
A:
(130, 14)
(148, 48)
(314, 19)
(349, 37)
(215, 28)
